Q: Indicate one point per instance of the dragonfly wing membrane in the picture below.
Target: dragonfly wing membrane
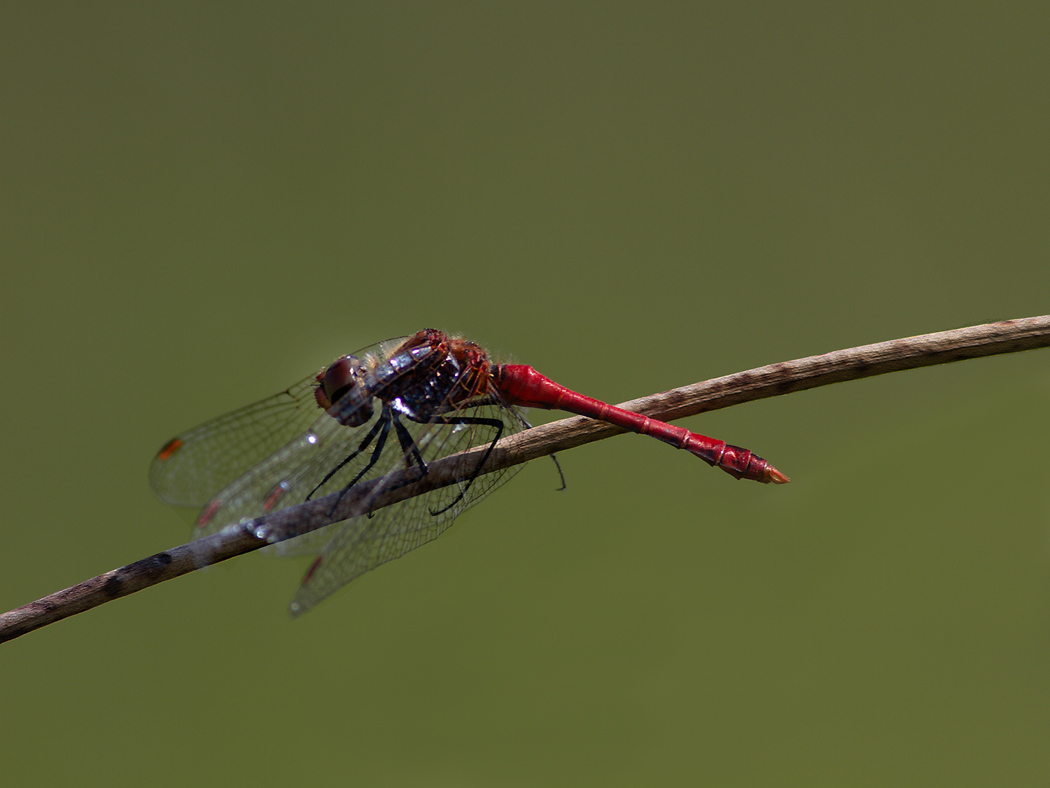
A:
(193, 467)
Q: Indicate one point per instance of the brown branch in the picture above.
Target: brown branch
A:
(1006, 337)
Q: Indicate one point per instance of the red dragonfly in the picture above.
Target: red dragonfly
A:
(368, 417)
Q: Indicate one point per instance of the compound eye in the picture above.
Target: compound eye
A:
(340, 377)
(342, 385)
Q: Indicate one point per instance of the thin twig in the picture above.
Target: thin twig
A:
(860, 362)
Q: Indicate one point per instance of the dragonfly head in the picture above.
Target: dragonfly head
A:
(342, 391)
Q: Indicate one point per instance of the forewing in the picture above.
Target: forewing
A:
(194, 466)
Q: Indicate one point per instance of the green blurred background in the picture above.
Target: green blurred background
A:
(203, 202)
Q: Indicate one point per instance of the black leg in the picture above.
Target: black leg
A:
(410, 451)
(382, 429)
(495, 424)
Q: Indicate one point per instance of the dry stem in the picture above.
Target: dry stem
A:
(860, 362)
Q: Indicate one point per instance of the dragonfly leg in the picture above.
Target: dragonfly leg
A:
(495, 424)
(383, 425)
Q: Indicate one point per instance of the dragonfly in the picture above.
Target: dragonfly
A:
(376, 420)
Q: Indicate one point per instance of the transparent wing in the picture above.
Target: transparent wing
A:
(194, 466)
